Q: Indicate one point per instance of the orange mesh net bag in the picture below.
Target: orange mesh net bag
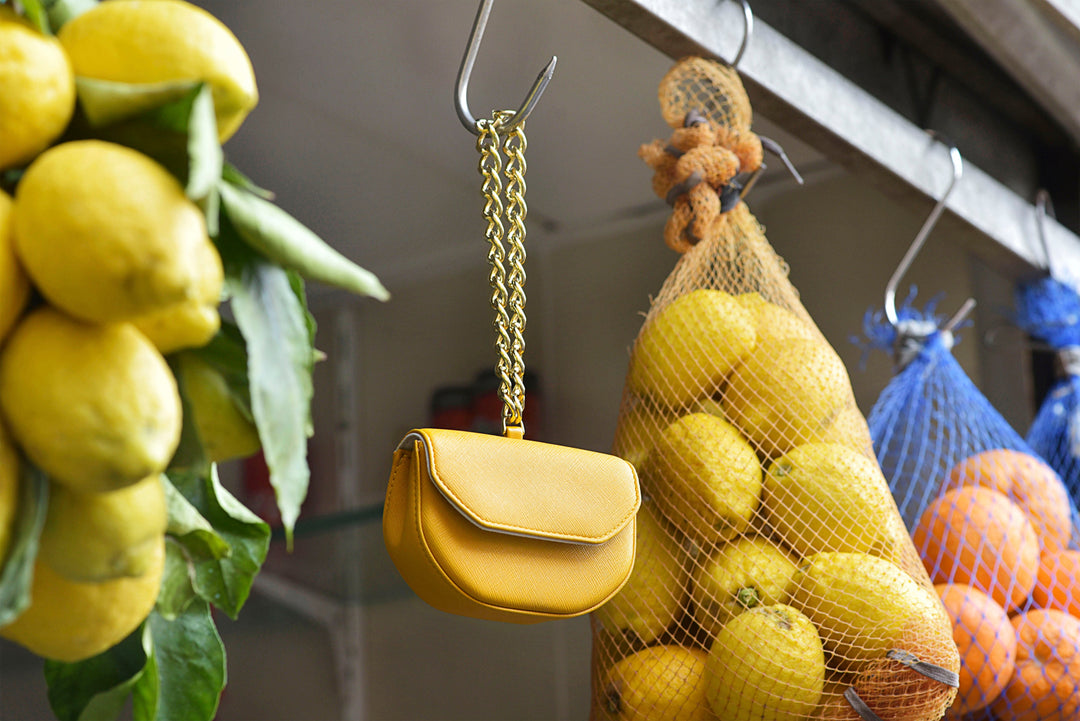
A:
(774, 576)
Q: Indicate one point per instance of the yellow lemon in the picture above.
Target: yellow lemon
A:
(94, 406)
(653, 596)
(9, 490)
(849, 428)
(193, 322)
(660, 682)
(69, 621)
(827, 497)
(225, 431)
(862, 605)
(688, 347)
(742, 574)
(158, 41)
(37, 90)
(766, 663)
(105, 233)
(100, 536)
(705, 478)
(640, 423)
(774, 324)
(786, 396)
(14, 286)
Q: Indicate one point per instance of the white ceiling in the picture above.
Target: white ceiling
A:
(356, 129)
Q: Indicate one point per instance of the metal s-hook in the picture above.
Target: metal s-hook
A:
(748, 30)
(465, 72)
(920, 240)
(1042, 201)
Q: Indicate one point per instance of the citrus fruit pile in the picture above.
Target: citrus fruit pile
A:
(773, 570)
(122, 231)
(996, 541)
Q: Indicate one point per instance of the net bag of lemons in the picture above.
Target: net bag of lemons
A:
(774, 577)
(992, 521)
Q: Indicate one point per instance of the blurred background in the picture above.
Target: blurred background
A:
(357, 135)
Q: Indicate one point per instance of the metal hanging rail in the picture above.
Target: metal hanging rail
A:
(804, 96)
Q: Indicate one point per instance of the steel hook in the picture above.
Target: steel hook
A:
(465, 72)
(1042, 202)
(920, 239)
(748, 30)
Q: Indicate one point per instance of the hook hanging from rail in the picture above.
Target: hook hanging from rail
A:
(465, 72)
(920, 240)
(748, 30)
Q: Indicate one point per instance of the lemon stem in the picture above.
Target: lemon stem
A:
(748, 597)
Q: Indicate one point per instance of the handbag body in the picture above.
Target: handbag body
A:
(507, 529)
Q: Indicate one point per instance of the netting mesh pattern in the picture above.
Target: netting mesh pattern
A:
(995, 529)
(774, 573)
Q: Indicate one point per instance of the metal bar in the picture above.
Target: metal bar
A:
(812, 101)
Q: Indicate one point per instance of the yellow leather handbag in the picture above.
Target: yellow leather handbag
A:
(499, 527)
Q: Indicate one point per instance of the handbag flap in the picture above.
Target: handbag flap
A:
(530, 488)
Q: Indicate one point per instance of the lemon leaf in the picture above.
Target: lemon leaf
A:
(276, 331)
(35, 13)
(61, 11)
(185, 669)
(189, 529)
(232, 175)
(106, 102)
(18, 571)
(193, 117)
(225, 582)
(287, 242)
(176, 588)
(98, 687)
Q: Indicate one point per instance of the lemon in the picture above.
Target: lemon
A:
(640, 424)
(157, 41)
(788, 395)
(849, 428)
(705, 478)
(37, 90)
(742, 574)
(69, 621)
(653, 596)
(827, 497)
(9, 490)
(688, 347)
(105, 233)
(861, 604)
(14, 285)
(774, 324)
(192, 322)
(100, 536)
(766, 663)
(659, 682)
(224, 430)
(95, 407)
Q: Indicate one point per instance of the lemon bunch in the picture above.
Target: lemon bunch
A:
(106, 268)
(773, 570)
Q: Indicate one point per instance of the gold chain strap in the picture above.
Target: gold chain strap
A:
(508, 291)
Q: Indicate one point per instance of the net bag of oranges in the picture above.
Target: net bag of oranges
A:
(1049, 310)
(774, 577)
(992, 522)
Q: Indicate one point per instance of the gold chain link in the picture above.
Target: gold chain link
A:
(509, 305)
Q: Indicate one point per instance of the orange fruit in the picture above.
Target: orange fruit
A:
(986, 642)
(1029, 483)
(1046, 683)
(978, 537)
(1058, 584)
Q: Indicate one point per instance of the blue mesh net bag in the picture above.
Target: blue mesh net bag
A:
(992, 522)
(1049, 310)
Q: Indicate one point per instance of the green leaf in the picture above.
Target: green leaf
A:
(284, 240)
(106, 102)
(185, 672)
(98, 687)
(232, 175)
(177, 590)
(35, 13)
(193, 117)
(225, 582)
(275, 327)
(18, 572)
(61, 11)
(190, 529)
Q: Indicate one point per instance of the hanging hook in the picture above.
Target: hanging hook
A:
(1042, 201)
(465, 72)
(748, 30)
(920, 239)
